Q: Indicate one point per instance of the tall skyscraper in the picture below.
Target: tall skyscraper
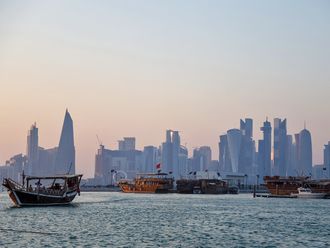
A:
(326, 160)
(65, 158)
(280, 147)
(304, 160)
(32, 151)
(246, 157)
(170, 153)
(234, 138)
(224, 156)
(265, 149)
(247, 127)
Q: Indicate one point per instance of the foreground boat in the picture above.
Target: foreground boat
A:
(148, 183)
(307, 193)
(285, 186)
(60, 190)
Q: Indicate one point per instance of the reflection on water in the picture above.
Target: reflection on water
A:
(170, 220)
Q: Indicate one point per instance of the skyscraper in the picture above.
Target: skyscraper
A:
(202, 157)
(32, 151)
(280, 147)
(234, 138)
(170, 153)
(65, 158)
(304, 163)
(265, 149)
(246, 157)
(224, 156)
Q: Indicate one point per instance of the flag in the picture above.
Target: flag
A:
(158, 166)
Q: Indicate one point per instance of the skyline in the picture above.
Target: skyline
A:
(214, 154)
(196, 68)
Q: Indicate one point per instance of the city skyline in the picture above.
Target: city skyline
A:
(240, 143)
(136, 69)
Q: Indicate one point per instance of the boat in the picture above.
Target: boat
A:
(43, 191)
(307, 193)
(203, 186)
(285, 186)
(148, 183)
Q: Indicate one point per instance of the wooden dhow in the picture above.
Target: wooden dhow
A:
(43, 191)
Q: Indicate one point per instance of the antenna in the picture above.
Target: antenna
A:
(304, 124)
(98, 140)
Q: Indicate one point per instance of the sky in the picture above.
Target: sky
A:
(137, 68)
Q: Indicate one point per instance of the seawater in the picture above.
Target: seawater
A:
(112, 219)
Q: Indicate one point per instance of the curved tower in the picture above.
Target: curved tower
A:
(65, 158)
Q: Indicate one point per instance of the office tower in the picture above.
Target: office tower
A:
(183, 162)
(290, 157)
(234, 138)
(32, 151)
(326, 160)
(246, 127)
(280, 147)
(65, 159)
(171, 152)
(265, 149)
(150, 157)
(224, 156)
(206, 154)
(304, 153)
(127, 144)
(246, 157)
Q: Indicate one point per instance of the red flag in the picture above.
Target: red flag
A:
(158, 166)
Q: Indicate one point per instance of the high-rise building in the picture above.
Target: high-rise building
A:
(127, 144)
(247, 127)
(326, 160)
(150, 156)
(234, 139)
(280, 147)
(291, 163)
(304, 153)
(171, 152)
(32, 151)
(65, 158)
(224, 156)
(202, 157)
(246, 157)
(264, 150)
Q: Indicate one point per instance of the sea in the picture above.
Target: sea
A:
(114, 219)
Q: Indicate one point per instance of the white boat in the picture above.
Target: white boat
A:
(307, 193)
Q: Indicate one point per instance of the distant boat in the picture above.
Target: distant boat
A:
(285, 186)
(148, 183)
(307, 193)
(43, 191)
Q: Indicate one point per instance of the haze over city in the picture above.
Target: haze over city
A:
(128, 68)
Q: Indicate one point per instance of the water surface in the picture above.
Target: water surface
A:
(168, 220)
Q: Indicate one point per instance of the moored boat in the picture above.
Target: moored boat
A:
(307, 193)
(203, 186)
(43, 191)
(285, 186)
(148, 183)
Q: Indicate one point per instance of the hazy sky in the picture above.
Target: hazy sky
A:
(137, 68)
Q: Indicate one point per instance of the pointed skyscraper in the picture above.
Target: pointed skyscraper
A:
(65, 159)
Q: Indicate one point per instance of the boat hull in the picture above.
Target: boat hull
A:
(21, 198)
